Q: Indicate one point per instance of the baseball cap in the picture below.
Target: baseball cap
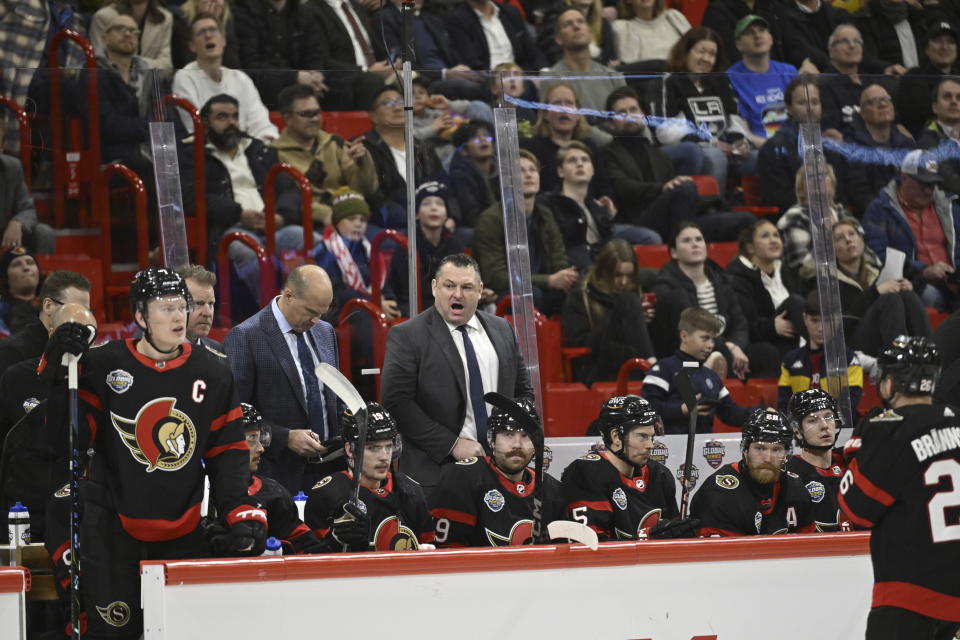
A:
(921, 166)
(744, 23)
(940, 27)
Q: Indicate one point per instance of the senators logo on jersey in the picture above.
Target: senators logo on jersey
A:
(392, 535)
(160, 437)
(521, 533)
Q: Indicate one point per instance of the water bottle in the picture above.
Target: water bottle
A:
(273, 547)
(18, 523)
(301, 501)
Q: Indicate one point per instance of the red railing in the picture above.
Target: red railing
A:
(197, 232)
(268, 277)
(24, 121)
(380, 327)
(270, 207)
(70, 169)
(623, 376)
(115, 284)
(378, 264)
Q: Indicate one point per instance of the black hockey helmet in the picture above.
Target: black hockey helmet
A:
(253, 421)
(625, 412)
(808, 401)
(380, 426)
(157, 282)
(766, 425)
(913, 363)
(500, 420)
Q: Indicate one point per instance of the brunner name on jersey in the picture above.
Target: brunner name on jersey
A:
(936, 442)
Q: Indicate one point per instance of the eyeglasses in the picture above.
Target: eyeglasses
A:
(873, 102)
(61, 303)
(209, 31)
(308, 113)
(127, 31)
(390, 103)
(483, 139)
(857, 42)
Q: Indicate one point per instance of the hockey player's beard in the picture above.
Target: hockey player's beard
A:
(765, 473)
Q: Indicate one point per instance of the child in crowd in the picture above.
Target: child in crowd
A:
(698, 331)
(435, 118)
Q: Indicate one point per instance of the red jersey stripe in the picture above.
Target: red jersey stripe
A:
(92, 423)
(851, 516)
(456, 516)
(595, 505)
(234, 414)
(215, 451)
(149, 530)
(913, 597)
(870, 489)
(91, 399)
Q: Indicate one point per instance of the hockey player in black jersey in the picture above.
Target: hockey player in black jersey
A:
(756, 496)
(395, 517)
(152, 409)
(904, 484)
(815, 420)
(621, 493)
(488, 501)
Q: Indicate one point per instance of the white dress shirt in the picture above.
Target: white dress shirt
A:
(244, 185)
(290, 336)
(501, 50)
(489, 364)
(359, 58)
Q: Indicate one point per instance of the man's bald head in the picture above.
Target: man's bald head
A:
(306, 296)
(72, 312)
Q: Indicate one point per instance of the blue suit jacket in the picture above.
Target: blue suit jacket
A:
(266, 377)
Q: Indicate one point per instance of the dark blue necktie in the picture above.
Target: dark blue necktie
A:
(476, 387)
(315, 417)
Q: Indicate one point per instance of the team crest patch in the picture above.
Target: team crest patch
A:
(714, 451)
(160, 436)
(620, 499)
(727, 482)
(115, 614)
(323, 482)
(30, 404)
(120, 381)
(694, 476)
(816, 490)
(660, 452)
(62, 492)
(792, 474)
(393, 535)
(887, 416)
(591, 456)
(467, 460)
(494, 500)
(709, 383)
(521, 533)
(758, 520)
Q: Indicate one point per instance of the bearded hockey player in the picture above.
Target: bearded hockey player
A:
(152, 409)
(393, 516)
(756, 496)
(489, 501)
(621, 493)
(815, 420)
(903, 484)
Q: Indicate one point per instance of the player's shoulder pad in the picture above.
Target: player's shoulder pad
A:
(468, 461)
(219, 354)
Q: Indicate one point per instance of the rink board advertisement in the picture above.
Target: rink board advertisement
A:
(723, 589)
(14, 584)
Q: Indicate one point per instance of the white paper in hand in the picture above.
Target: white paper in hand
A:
(892, 266)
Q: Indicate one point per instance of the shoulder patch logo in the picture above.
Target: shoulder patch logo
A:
(816, 490)
(887, 416)
(713, 451)
(494, 500)
(725, 481)
(948, 412)
(758, 520)
(323, 482)
(792, 474)
(590, 456)
(62, 492)
(115, 614)
(160, 436)
(620, 499)
(119, 380)
(30, 404)
(467, 461)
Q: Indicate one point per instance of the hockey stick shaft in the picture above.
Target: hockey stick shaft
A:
(689, 399)
(75, 606)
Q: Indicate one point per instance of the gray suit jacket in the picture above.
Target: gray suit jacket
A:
(424, 387)
(266, 377)
(15, 200)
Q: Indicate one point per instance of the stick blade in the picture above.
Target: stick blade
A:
(574, 531)
(338, 383)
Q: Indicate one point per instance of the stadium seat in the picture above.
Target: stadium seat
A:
(568, 408)
(751, 198)
(745, 396)
(766, 390)
(90, 267)
(653, 256)
(936, 317)
(706, 185)
(722, 253)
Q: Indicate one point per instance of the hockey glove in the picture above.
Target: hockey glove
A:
(678, 528)
(244, 538)
(352, 529)
(69, 337)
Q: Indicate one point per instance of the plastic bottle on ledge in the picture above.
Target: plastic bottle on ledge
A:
(18, 524)
(301, 501)
(274, 548)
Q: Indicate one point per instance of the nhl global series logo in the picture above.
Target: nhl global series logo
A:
(713, 451)
(694, 476)
(660, 452)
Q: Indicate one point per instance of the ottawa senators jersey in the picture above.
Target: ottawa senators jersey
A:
(905, 485)
(475, 505)
(397, 511)
(283, 519)
(615, 506)
(151, 423)
(730, 503)
(822, 485)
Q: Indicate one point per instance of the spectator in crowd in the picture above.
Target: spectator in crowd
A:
(805, 367)
(604, 312)
(388, 148)
(551, 273)
(706, 102)
(488, 33)
(59, 288)
(893, 32)
(779, 159)
(794, 225)
(585, 223)
(691, 279)
(942, 132)
(206, 77)
(474, 176)
(768, 291)
(152, 21)
(842, 83)
(436, 118)
(183, 16)
(698, 329)
(723, 15)
(20, 281)
(325, 159)
(434, 243)
(913, 215)
(919, 83)
(603, 41)
(647, 30)
(874, 312)
(438, 366)
(18, 216)
(591, 81)
(272, 355)
(807, 25)
(872, 129)
(202, 287)
(236, 169)
(759, 81)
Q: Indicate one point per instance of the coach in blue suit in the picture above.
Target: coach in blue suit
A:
(427, 383)
(266, 354)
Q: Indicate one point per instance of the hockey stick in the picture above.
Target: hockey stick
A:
(70, 361)
(689, 399)
(532, 428)
(574, 531)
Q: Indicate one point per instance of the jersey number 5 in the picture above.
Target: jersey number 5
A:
(580, 515)
(943, 500)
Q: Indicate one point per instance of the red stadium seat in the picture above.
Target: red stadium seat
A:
(90, 267)
(722, 252)
(706, 185)
(568, 408)
(766, 389)
(652, 255)
(936, 317)
(751, 198)
(745, 396)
